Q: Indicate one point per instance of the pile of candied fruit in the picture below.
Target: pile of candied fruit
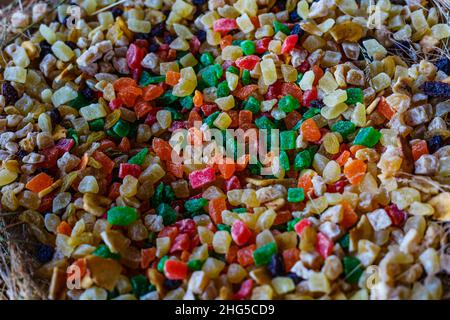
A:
(358, 191)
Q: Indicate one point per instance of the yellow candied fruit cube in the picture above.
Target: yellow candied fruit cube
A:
(236, 273)
(213, 38)
(206, 236)
(141, 26)
(213, 267)
(313, 42)
(231, 53)
(168, 66)
(16, 74)
(249, 7)
(418, 21)
(47, 33)
(375, 49)
(283, 285)
(93, 111)
(264, 292)
(183, 8)
(267, 18)
(232, 80)
(89, 5)
(245, 24)
(223, 121)
(318, 282)
(63, 95)
(129, 187)
(182, 31)
(264, 31)
(188, 60)
(307, 80)
(334, 98)
(381, 81)
(62, 51)
(266, 219)
(106, 19)
(332, 172)
(20, 57)
(198, 282)
(249, 198)
(326, 25)
(162, 246)
(199, 253)
(234, 197)
(275, 46)
(404, 197)
(7, 176)
(269, 71)
(225, 103)
(359, 115)
(164, 118)
(317, 205)
(88, 184)
(179, 44)
(303, 9)
(327, 83)
(279, 36)
(420, 209)
(333, 112)
(440, 31)
(152, 174)
(208, 19)
(229, 217)
(249, 219)
(221, 242)
(263, 238)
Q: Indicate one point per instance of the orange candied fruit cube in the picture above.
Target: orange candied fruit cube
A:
(39, 182)
(354, 171)
(172, 77)
(418, 149)
(310, 130)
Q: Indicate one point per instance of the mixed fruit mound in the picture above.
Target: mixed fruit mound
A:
(357, 198)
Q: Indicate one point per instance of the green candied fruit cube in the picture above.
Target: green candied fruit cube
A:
(264, 123)
(161, 263)
(79, 102)
(344, 127)
(236, 42)
(248, 47)
(222, 89)
(97, 124)
(224, 227)
(139, 285)
(187, 102)
(299, 77)
(121, 128)
(278, 26)
(122, 216)
(284, 160)
(367, 137)
(104, 252)
(139, 157)
(311, 112)
(169, 194)
(206, 59)
(291, 224)
(239, 210)
(303, 160)
(246, 77)
(211, 118)
(209, 77)
(296, 195)
(287, 139)
(354, 95)
(233, 69)
(167, 98)
(264, 254)
(352, 269)
(195, 265)
(345, 241)
(252, 104)
(167, 213)
(147, 78)
(72, 134)
(288, 103)
(194, 205)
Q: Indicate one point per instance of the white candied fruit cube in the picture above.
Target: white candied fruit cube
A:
(232, 80)
(375, 49)
(430, 261)
(225, 103)
(16, 74)
(381, 81)
(269, 71)
(245, 24)
(419, 21)
(327, 83)
(335, 98)
(231, 53)
(88, 184)
(106, 19)
(249, 7)
(63, 95)
(139, 25)
(182, 8)
(379, 219)
(182, 31)
(440, 31)
(47, 33)
(303, 9)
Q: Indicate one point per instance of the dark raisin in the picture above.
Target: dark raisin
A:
(172, 284)
(201, 35)
(10, 93)
(157, 30)
(45, 47)
(55, 116)
(44, 253)
(153, 47)
(294, 17)
(317, 104)
(71, 45)
(435, 143)
(443, 64)
(280, 4)
(276, 265)
(436, 89)
(199, 2)
(22, 153)
(294, 277)
(168, 38)
(142, 36)
(88, 93)
(116, 12)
